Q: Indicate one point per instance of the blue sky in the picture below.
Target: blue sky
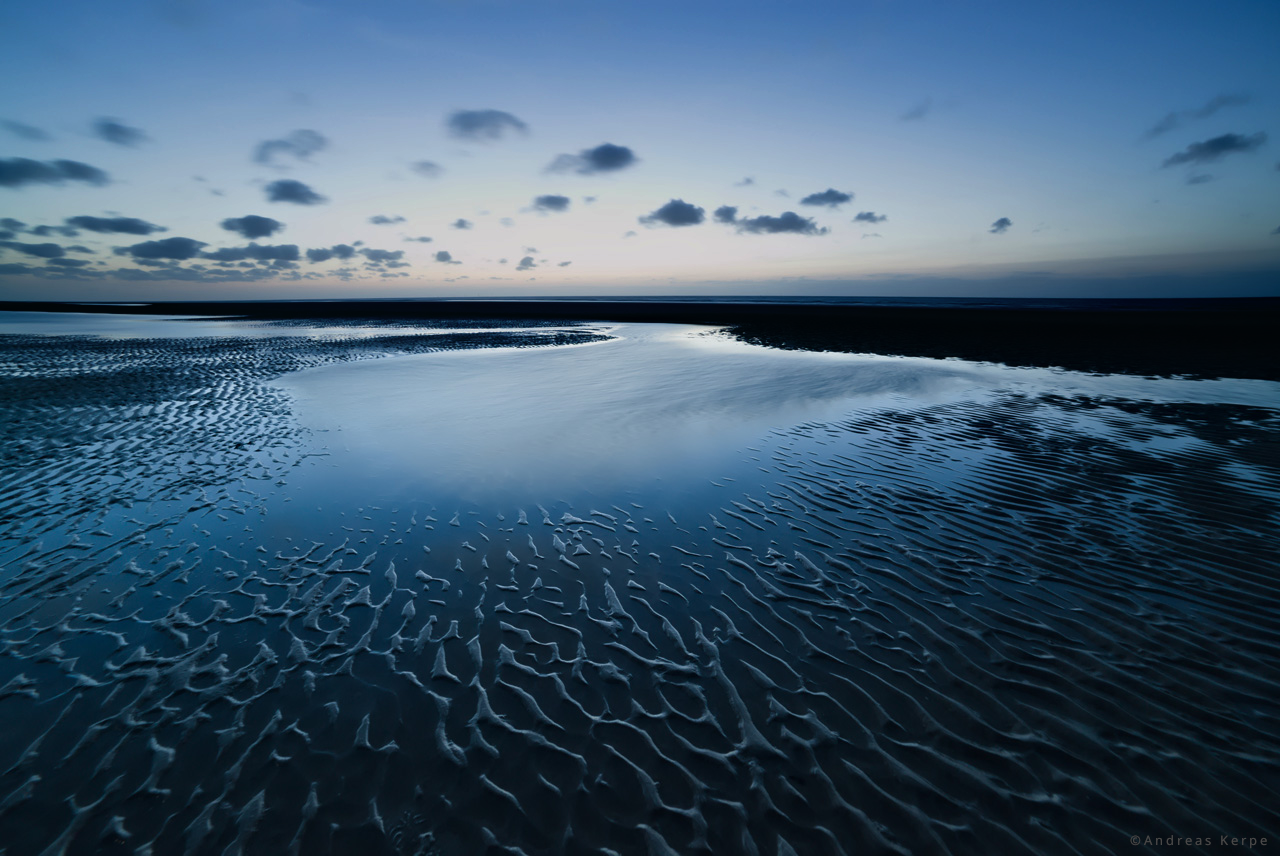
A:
(881, 147)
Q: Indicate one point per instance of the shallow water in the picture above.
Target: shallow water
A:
(656, 593)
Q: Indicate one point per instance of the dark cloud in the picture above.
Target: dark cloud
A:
(444, 256)
(1000, 226)
(122, 225)
(113, 131)
(483, 125)
(301, 144)
(605, 157)
(24, 131)
(288, 190)
(422, 239)
(252, 226)
(40, 251)
(177, 249)
(551, 203)
(830, 197)
(919, 111)
(1175, 119)
(1276, 230)
(12, 225)
(726, 214)
(677, 212)
(564, 264)
(1202, 178)
(15, 172)
(787, 221)
(869, 217)
(337, 251)
(426, 168)
(46, 231)
(381, 256)
(15, 268)
(256, 252)
(384, 220)
(1216, 148)
(461, 224)
(72, 263)
(746, 182)
(526, 263)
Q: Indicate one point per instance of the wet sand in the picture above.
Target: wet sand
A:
(902, 606)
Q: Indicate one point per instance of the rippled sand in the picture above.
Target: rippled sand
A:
(907, 607)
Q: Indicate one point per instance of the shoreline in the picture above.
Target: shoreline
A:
(1206, 337)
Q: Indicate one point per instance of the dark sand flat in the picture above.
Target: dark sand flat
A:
(817, 604)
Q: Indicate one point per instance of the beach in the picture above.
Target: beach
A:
(591, 583)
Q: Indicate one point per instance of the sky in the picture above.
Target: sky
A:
(192, 150)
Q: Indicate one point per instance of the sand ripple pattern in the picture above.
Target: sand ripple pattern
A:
(1033, 625)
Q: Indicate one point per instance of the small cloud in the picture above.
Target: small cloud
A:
(551, 203)
(382, 256)
(630, 233)
(16, 172)
(677, 212)
(746, 182)
(726, 214)
(301, 144)
(422, 239)
(445, 257)
(252, 226)
(255, 252)
(507, 221)
(787, 221)
(1000, 226)
(176, 249)
(1202, 178)
(782, 193)
(24, 131)
(919, 111)
(40, 251)
(337, 251)
(383, 220)
(1175, 119)
(113, 131)
(426, 168)
(483, 125)
(588, 199)
(461, 224)
(526, 263)
(122, 225)
(564, 264)
(830, 197)
(46, 231)
(1276, 230)
(869, 217)
(288, 190)
(1216, 149)
(68, 262)
(605, 157)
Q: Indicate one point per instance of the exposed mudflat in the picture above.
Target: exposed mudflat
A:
(558, 589)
